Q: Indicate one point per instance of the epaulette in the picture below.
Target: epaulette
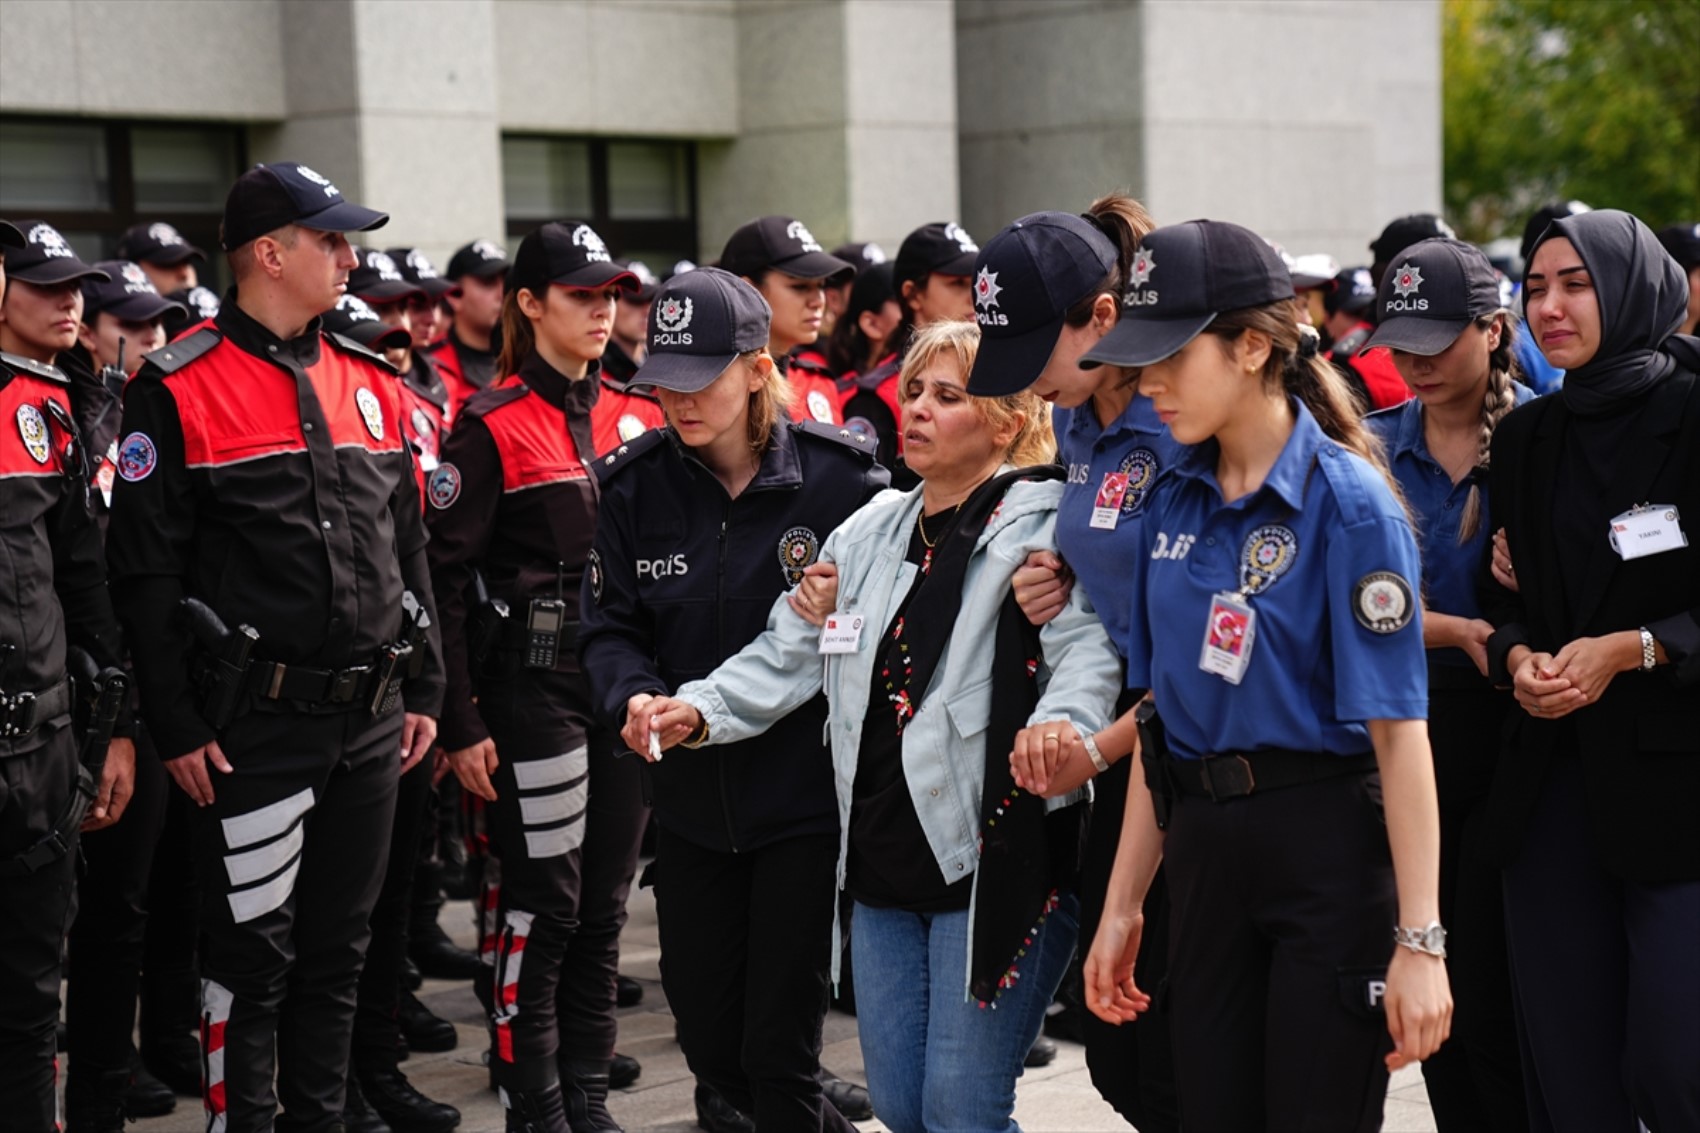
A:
(349, 346)
(610, 464)
(1347, 347)
(173, 356)
(808, 364)
(1349, 480)
(30, 366)
(492, 398)
(865, 443)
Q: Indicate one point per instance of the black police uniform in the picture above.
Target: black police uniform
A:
(55, 580)
(682, 577)
(268, 478)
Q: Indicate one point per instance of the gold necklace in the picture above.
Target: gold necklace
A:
(921, 522)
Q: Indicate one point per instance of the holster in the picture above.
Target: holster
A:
(1154, 758)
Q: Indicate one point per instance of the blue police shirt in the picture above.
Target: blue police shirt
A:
(1138, 444)
(1437, 504)
(1328, 557)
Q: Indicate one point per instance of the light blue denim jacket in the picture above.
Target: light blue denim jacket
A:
(944, 751)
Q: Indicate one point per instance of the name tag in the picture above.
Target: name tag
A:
(842, 633)
(1228, 636)
(1107, 509)
(1647, 530)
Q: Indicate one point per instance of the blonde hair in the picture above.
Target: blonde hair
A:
(770, 403)
(1033, 442)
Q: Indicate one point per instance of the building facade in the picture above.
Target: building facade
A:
(670, 122)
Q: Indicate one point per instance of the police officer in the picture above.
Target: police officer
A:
(380, 281)
(861, 256)
(1349, 310)
(167, 258)
(1682, 241)
(425, 320)
(931, 277)
(514, 502)
(784, 261)
(1046, 290)
(703, 525)
(859, 337)
(1276, 619)
(53, 566)
(268, 557)
(626, 412)
(467, 355)
(123, 318)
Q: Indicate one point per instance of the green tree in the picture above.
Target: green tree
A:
(1591, 100)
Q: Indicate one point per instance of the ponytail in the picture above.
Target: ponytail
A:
(519, 339)
(1500, 399)
(1125, 221)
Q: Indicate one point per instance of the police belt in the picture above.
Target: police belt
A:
(1233, 775)
(335, 690)
(516, 638)
(23, 712)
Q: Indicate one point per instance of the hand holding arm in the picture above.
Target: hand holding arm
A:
(817, 595)
(1042, 585)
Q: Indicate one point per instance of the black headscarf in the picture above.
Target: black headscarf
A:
(1643, 297)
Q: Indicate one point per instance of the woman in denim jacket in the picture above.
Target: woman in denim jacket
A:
(933, 675)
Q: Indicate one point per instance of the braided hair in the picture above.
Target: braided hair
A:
(1500, 399)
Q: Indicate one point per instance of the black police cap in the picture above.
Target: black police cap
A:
(10, 237)
(701, 320)
(1538, 222)
(1682, 241)
(782, 244)
(1407, 230)
(127, 293)
(1353, 291)
(481, 258)
(417, 268)
(943, 247)
(377, 278)
(46, 258)
(353, 318)
(1432, 291)
(861, 256)
(267, 197)
(157, 243)
(567, 252)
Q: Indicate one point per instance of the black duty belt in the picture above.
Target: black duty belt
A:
(1233, 775)
(23, 712)
(349, 688)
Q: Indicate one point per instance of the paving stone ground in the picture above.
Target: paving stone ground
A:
(1056, 1099)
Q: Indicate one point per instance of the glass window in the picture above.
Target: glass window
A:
(51, 167)
(648, 181)
(182, 170)
(546, 177)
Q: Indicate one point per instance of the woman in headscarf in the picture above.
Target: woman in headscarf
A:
(1595, 797)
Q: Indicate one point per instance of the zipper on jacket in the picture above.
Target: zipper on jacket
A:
(720, 650)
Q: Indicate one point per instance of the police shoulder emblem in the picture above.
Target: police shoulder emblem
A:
(798, 549)
(137, 457)
(442, 487)
(1382, 603)
(629, 426)
(370, 412)
(1141, 467)
(1269, 553)
(32, 427)
(593, 570)
(819, 407)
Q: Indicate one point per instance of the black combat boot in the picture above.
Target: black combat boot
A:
(584, 1092)
(536, 1111)
(403, 1107)
(94, 1103)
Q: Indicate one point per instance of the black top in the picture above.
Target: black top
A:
(891, 864)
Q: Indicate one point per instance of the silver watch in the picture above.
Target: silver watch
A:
(1649, 650)
(1090, 743)
(1431, 938)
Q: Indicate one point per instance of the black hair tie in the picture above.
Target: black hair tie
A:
(1310, 341)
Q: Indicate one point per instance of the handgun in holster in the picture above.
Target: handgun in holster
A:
(486, 623)
(220, 670)
(1154, 757)
(100, 697)
(403, 659)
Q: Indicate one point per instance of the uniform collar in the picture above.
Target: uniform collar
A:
(559, 390)
(1292, 468)
(1407, 436)
(781, 466)
(255, 338)
(469, 351)
(1138, 417)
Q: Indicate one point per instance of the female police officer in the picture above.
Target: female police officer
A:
(513, 498)
(703, 525)
(1276, 620)
(1451, 342)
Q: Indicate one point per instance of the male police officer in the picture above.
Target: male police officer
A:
(467, 357)
(267, 549)
(52, 575)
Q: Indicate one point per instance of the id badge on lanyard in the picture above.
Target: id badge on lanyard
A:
(1230, 631)
(1647, 530)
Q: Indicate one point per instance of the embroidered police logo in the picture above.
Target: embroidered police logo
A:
(584, 236)
(136, 280)
(1407, 279)
(1143, 264)
(356, 309)
(1382, 602)
(319, 179)
(954, 231)
(1141, 468)
(370, 412)
(593, 569)
(1269, 553)
(165, 235)
(488, 251)
(383, 265)
(800, 233)
(986, 289)
(47, 238)
(442, 487)
(798, 549)
(629, 427)
(875, 254)
(205, 302)
(137, 457)
(673, 314)
(819, 407)
(32, 427)
(420, 265)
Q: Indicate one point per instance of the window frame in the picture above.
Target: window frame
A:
(622, 236)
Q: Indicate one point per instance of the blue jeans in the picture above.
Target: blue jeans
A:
(936, 1060)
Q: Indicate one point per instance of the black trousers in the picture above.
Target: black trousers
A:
(1282, 905)
(746, 944)
(1474, 1081)
(171, 974)
(1607, 979)
(104, 946)
(377, 1033)
(34, 908)
(1133, 1065)
(290, 857)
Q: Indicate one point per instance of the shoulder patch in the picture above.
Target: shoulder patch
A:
(349, 346)
(173, 356)
(849, 435)
(492, 398)
(610, 464)
(1382, 602)
(22, 365)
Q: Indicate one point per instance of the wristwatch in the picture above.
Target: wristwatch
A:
(1649, 650)
(1431, 938)
(1090, 743)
